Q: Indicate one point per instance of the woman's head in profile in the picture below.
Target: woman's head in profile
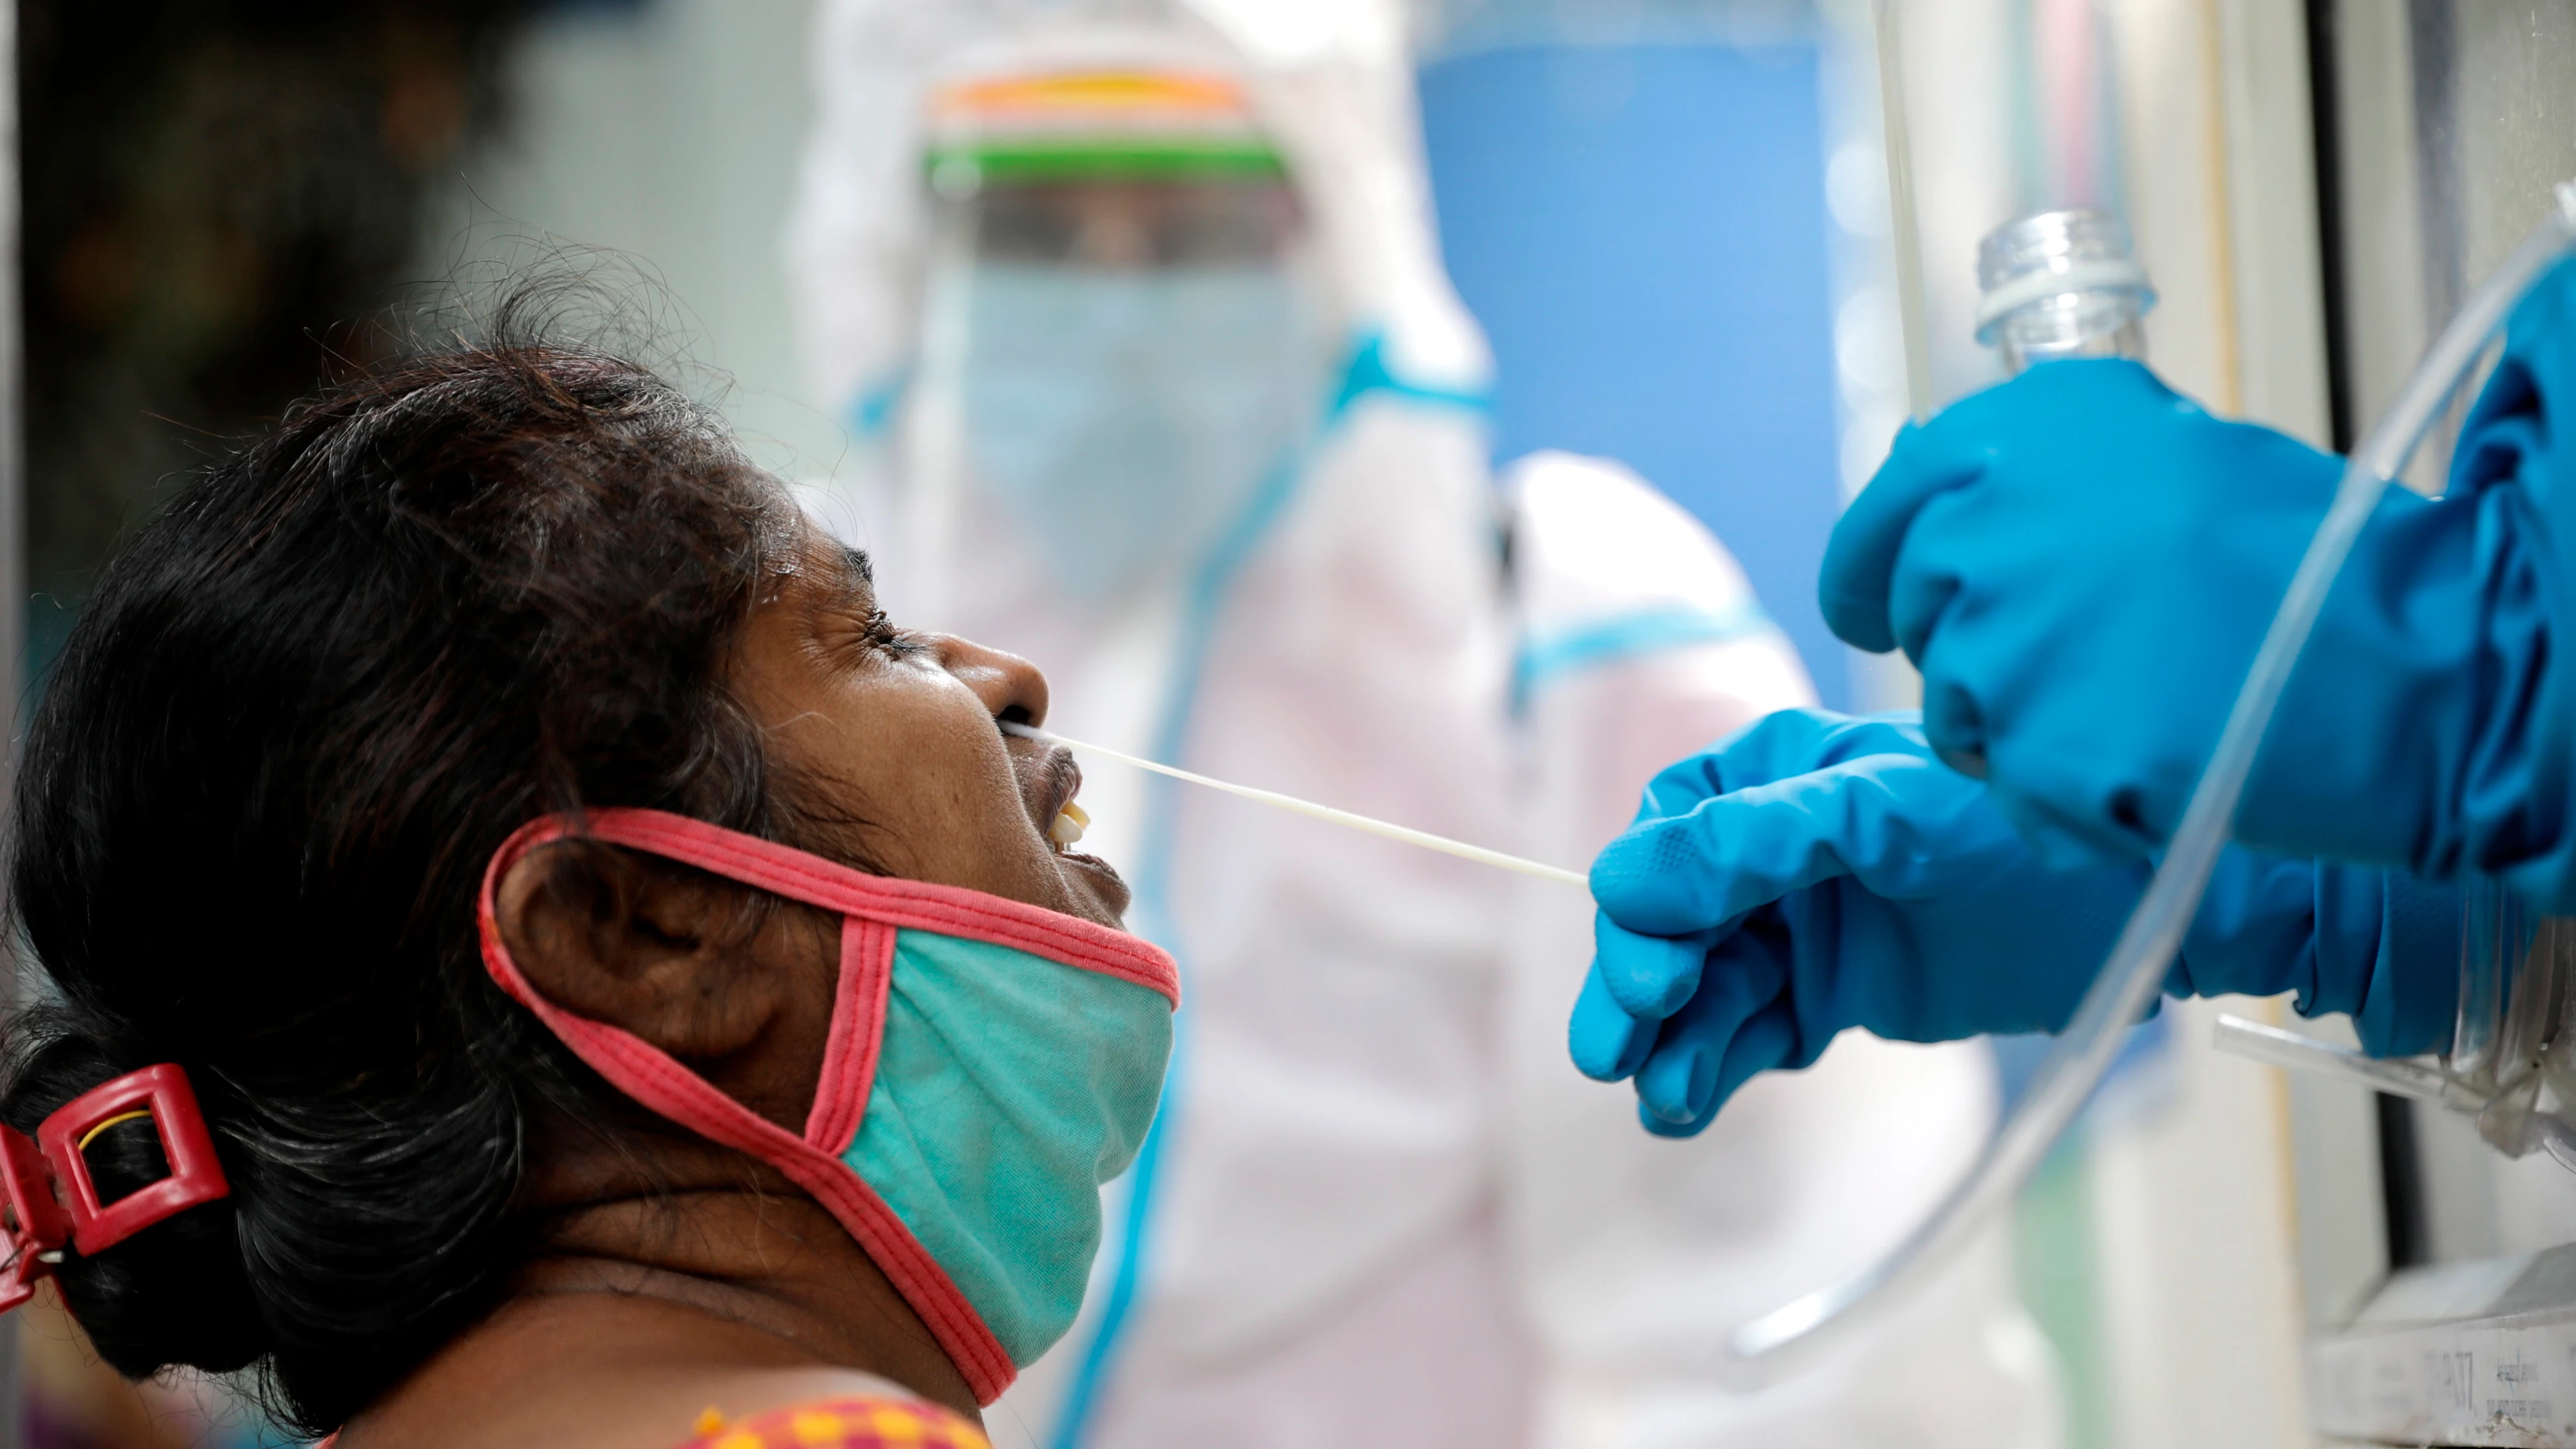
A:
(596, 935)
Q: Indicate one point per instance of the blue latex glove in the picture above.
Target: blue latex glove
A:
(2516, 805)
(2083, 563)
(1818, 872)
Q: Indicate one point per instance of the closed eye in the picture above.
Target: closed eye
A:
(881, 633)
(876, 630)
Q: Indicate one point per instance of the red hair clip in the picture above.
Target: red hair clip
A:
(31, 1170)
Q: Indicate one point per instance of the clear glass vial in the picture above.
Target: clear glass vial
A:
(2061, 284)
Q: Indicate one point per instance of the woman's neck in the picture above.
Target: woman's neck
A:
(712, 1289)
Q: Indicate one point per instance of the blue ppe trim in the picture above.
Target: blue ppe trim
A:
(1364, 373)
(872, 412)
(1111, 1332)
(1368, 373)
(1542, 658)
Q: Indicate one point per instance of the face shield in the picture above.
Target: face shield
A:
(1123, 347)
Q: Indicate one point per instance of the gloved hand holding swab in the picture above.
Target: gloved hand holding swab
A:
(1409, 836)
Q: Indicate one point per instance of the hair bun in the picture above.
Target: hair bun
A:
(174, 1293)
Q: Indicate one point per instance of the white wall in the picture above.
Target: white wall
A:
(670, 132)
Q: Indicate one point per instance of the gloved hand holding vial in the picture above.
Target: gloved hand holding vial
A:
(2082, 562)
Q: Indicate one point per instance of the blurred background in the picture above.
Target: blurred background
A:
(1669, 217)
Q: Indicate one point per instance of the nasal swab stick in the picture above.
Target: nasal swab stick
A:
(1906, 225)
(1423, 838)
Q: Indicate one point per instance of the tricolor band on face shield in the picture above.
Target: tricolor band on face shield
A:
(1122, 340)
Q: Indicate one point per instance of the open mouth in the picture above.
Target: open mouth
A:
(1049, 784)
(1049, 780)
(1070, 821)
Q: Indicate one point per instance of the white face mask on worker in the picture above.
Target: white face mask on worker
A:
(1129, 420)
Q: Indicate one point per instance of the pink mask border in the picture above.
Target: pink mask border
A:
(873, 909)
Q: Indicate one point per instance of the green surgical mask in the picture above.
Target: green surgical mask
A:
(990, 1064)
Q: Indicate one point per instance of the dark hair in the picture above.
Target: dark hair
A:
(300, 711)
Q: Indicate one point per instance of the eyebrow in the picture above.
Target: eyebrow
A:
(856, 568)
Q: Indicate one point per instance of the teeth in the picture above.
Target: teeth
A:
(1069, 824)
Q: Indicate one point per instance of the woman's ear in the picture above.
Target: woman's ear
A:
(686, 962)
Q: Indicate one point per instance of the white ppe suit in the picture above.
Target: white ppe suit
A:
(1381, 1207)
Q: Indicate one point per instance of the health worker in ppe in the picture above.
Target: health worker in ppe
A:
(2082, 563)
(1167, 389)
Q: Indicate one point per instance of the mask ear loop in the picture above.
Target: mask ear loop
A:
(53, 1200)
(857, 1034)
(873, 909)
(663, 1085)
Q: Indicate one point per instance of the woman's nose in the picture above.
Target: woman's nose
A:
(1011, 687)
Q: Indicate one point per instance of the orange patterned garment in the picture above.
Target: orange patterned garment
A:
(842, 1424)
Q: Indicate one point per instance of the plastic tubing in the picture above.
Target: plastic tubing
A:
(2290, 1051)
(1774, 1344)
